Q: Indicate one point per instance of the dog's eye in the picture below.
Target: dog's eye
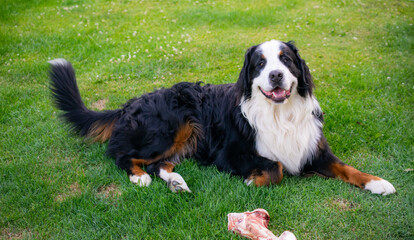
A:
(261, 63)
(285, 59)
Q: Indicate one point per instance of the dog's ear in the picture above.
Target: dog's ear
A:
(244, 83)
(305, 82)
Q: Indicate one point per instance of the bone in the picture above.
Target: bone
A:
(253, 225)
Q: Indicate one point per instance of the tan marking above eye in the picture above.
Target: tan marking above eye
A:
(262, 62)
(280, 53)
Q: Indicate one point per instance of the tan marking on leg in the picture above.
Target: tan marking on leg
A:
(139, 176)
(185, 141)
(351, 175)
(168, 167)
(262, 180)
(185, 136)
(143, 162)
(266, 178)
(137, 170)
(279, 176)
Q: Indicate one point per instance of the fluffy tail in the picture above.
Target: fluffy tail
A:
(95, 125)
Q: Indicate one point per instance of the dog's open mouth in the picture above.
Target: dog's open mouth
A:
(277, 95)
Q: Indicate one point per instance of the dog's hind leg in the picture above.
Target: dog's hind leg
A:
(164, 170)
(138, 175)
(158, 160)
(133, 167)
(185, 143)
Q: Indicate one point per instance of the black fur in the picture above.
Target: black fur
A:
(300, 70)
(247, 73)
(66, 97)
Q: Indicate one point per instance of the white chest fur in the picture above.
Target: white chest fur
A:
(288, 132)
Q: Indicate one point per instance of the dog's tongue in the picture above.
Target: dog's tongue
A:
(278, 93)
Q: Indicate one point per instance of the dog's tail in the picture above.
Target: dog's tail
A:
(97, 126)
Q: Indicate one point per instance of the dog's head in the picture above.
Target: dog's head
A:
(275, 70)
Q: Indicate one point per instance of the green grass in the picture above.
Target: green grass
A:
(54, 185)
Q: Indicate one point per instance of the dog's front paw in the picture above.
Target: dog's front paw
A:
(380, 187)
(143, 180)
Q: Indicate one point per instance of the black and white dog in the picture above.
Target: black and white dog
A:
(267, 122)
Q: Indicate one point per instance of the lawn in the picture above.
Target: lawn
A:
(55, 185)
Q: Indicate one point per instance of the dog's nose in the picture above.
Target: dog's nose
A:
(275, 76)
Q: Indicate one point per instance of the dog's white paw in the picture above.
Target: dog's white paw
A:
(143, 181)
(380, 187)
(248, 181)
(174, 181)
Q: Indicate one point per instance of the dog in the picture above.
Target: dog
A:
(267, 123)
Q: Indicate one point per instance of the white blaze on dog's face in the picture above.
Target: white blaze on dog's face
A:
(275, 81)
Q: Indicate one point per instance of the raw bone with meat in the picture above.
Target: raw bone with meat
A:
(253, 225)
